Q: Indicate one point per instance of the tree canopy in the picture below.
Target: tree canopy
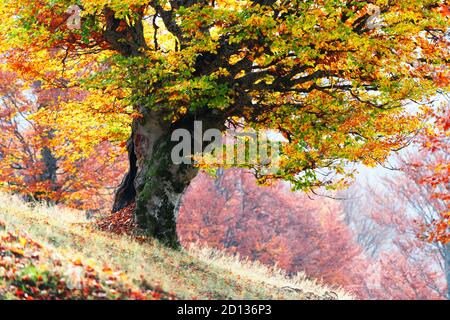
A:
(327, 75)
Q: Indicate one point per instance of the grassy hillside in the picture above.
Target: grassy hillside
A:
(52, 253)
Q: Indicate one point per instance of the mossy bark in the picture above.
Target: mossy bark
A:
(159, 193)
(154, 182)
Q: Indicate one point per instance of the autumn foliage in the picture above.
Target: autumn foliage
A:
(404, 267)
(40, 163)
(432, 170)
(271, 225)
(87, 117)
(380, 256)
(31, 271)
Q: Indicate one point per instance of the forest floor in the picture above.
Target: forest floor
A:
(55, 253)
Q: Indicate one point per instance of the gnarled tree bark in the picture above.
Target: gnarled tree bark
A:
(154, 182)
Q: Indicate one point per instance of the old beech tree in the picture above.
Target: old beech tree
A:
(329, 75)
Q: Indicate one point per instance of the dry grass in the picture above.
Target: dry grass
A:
(199, 273)
(263, 274)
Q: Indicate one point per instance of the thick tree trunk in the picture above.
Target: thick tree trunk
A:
(154, 182)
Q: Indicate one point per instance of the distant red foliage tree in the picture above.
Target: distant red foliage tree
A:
(403, 223)
(431, 170)
(272, 225)
(411, 210)
(406, 267)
